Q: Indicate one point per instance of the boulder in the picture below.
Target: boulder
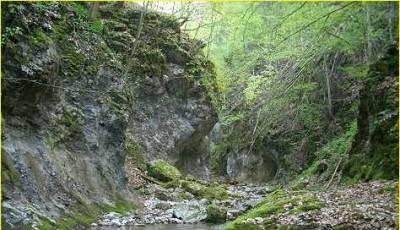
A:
(216, 214)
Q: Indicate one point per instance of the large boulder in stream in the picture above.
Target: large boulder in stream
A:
(83, 98)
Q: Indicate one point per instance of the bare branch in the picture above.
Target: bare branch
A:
(316, 20)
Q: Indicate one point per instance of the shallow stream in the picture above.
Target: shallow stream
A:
(199, 226)
(163, 211)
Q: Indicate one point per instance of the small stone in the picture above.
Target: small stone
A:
(288, 206)
(232, 214)
(258, 220)
(175, 221)
(115, 222)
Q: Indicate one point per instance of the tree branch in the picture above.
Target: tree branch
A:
(316, 20)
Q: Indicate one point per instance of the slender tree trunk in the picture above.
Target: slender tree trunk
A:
(368, 33)
(211, 30)
(93, 10)
(328, 85)
(129, 62)
(389, 17)
(395, 17)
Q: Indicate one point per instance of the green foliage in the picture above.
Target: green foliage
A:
(71, 119)
(135, 152)
(375, 152)
(80, 8)
(377, 167)
(271, 64)
(218, 152)
(330, 154)
(11, 33)
(96, 26)
(9, 173)
(216, 214)
(163, 171)
(39, 38)
(357, 71)
(392, 188)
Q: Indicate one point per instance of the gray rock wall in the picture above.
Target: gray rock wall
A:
(69, 110)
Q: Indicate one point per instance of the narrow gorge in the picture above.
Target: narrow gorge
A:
(116, 116)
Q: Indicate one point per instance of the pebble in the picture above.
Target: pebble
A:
(258, 220)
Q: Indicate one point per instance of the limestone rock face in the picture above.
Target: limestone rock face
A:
(172, 116)
(237, 163)
(74, 107)
(253, 166)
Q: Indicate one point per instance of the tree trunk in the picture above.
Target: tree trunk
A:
(368, 33)
(389, 17)
(328, 85)
(135, 44)
(93, 10)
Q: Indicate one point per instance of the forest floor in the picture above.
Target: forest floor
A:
(372, 205)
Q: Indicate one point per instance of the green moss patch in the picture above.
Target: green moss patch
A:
(83, 214)
(327, 158)
(388, 189)
(135, 152)
(277, 202)
(216, 214)
(211, 192)
(200, 189)
(9, 172)
(164, 171)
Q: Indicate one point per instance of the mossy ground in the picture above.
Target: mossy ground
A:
(83, 214)
(277, 202)
(327, 158)
(376, 166)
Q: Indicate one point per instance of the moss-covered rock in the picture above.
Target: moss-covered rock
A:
(216, 214)
(9, 173)
(83, 214)
(205, 191)
(277, 202)
(164, 171)
(375, 150)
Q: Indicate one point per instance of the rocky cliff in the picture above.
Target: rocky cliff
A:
(374, 152)
(82, 98)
